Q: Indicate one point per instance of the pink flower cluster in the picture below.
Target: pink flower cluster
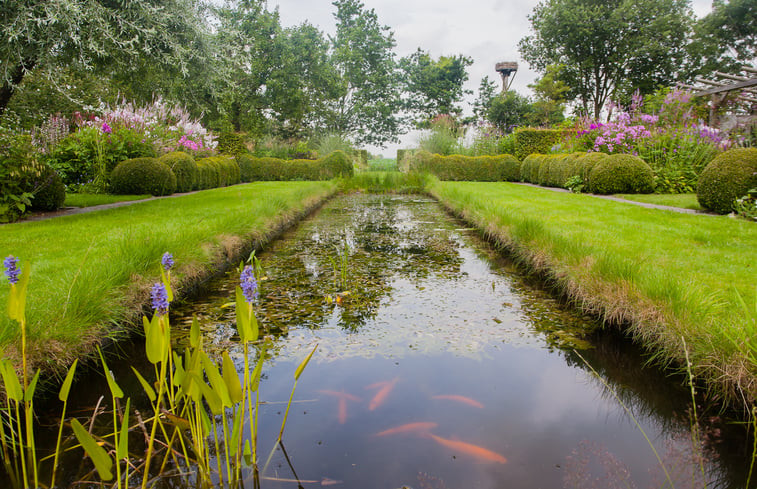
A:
(189, 144)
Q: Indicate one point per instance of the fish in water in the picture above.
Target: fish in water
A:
(384, 388)
(422, 428)
(462, 399)
(343, 398)
(476, 451)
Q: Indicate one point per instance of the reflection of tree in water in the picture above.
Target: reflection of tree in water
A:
(384, 240)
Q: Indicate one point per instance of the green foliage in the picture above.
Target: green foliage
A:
(225, 167)
(605, 45)
(621, 173)
(487, 90)
(184, 167)
(17, 163)
(49, 191)
(383, 164)
(77, 157)
(274, 169)
(142, 176)
(230, 143)
(528, 141)
(728, 177)
(274, 147)
(434, 87)
(330, 142)
(443, 138)
(509, 110)
(727, 36)
(470, 168)
(560, 170)
(403, 159)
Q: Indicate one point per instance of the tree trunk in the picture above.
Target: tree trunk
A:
(9, 87)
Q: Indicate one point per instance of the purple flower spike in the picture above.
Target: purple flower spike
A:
(11, 269)
(106, 128)
(159, 298)
(167, 261)
(249, 284)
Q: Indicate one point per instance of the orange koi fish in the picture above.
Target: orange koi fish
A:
(385, 388)
(463, 399)
(343, 398)
(422, 428)
(476, 451)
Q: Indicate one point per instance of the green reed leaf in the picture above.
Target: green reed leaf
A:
(213, 399)
(154, 340)
(231, 379)
(145, 385)
(17, 296)
(216, 380)
(10, 379)
(194, 333)
(255, 377)
(115, 390)
(166, 279)
(236, 432)
(122, 450)
(103, 463)
(29, 394)
(66, 387)
(304, 364)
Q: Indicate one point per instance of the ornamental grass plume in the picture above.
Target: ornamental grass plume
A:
(11, 269)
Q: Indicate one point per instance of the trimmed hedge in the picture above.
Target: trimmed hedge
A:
(621, 174)
(529, 141)
(555, 170)
(142, 176)
(226, 168)
(469, 168)
(207, 175)
(184, 167)
(336, 164)
(726, 178)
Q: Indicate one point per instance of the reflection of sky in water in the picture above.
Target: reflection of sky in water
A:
(442, 321)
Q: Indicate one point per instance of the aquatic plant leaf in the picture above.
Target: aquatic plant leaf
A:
(17, 296)
(194, 333)
(166, 279)
(178, 374)
(145, 385)
(29, 394)
(247, 454)
(122, 450)
(231, 379)
(191, 386)
(146, 325)
(115, 390)
(66, 387)
(236, 432)
(247, 324)
(304, 364)
(103, 463)
(255, 377)
(10, 379)
(178, 421)
(216, 380)
(154, 339)
(213, 399)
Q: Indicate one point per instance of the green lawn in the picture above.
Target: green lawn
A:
(669, 277)
(92, 271)
(382, 164)
(89, 200)
(684, 201)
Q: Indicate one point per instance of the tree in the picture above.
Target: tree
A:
(487, 90)
(509, 110)
(434, 87)
(727, 37)
(82, 34)
(550, 93)
(367, 108)
(609, 48)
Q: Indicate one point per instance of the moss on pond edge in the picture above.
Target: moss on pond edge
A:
(115, 256)
(648, 297)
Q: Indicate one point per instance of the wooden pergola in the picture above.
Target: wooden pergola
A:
(740, 88)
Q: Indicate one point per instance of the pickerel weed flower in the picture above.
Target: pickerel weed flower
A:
(159, 298)
(11, 269)
(249, 284)
(167, 261)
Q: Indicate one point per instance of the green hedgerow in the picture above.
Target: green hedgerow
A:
(184, 167)
(621, 174)
(728, 177)
(529, 141)
(142, 176)
(486, 168)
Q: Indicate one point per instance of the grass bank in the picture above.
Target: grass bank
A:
(90, 273)
(666, 278)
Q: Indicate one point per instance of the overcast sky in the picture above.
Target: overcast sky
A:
(487, 31)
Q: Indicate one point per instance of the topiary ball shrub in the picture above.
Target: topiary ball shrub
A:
(621, 174)
(728, 177)
(337, 164)
(49, 191)
(184, 167)
(142, 176)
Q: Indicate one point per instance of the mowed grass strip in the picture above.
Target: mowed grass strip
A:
(684, 201)
(666, 277)
(91, 272)
(89, 200)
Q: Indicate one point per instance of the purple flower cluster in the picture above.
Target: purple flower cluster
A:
(106, 128)
(249, 284)
(11, 269)
(167, 261)
(188, 143)
(159, 297)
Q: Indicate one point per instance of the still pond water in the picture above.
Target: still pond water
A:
(440, 366)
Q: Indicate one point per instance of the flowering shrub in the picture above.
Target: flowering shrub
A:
(675, 145)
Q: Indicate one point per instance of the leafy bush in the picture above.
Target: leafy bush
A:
(142, 176)
(621, 174)
(231, 143)
(48, 189)
(275, 169)
(226, 168)
(528, 141)
(443, 138)
(184, 167)
(728, 177)
(328, 143)
(207, 175)
(17, 163)
(471, 168)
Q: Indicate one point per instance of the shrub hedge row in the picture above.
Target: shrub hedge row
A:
(598, 172)
(529, 141)
(499, 168)
(336, 164)
(731, 175)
